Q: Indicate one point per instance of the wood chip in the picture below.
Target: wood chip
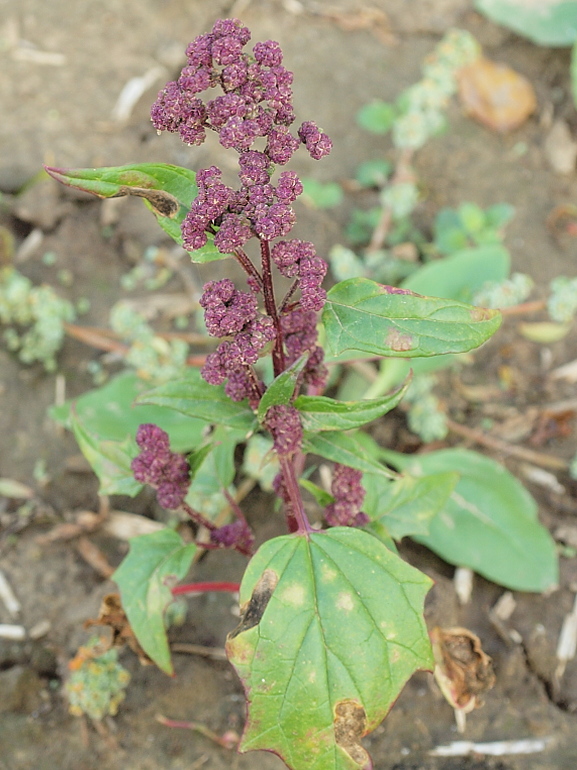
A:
(8, 596)
(126, 525)
(463, 582)
(494, 749)
(16, 633)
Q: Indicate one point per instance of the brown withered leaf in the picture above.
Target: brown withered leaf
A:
(496, 95)
(113, 616)
(463, 671)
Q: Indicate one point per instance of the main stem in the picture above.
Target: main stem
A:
(297, 520)
(278, 359)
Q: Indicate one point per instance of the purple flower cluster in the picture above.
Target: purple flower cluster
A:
(156, 465)
(256, 103)
(228, 311)
(300, 335)
(237, 534)
(284, 424)
(349, 494)
(298, 259)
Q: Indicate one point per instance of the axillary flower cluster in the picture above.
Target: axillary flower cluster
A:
(252, 116)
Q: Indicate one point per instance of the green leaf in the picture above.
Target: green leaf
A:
(472, 217)
(366, 317)
(167, 190)
(489, 523)
(196, 459)
(345, 449)
(282, 388)
(320, 413)
(373, 173)
(460, 275)
(215, 473)
(499, 214)
(194, 397)
(406, 505)
(377, 116)
(552, 23)
(332, 629)
(110, 460)
(321, 496)
(155, 563)
(109, 412)
(322, 195)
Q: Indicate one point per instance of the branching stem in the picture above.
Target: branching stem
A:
(270, 307)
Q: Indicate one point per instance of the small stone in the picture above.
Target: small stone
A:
(560, 148)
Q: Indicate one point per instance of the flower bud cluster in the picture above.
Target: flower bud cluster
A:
(300, 335)
(295, 258)
(349, 494)
(228, 311)
(256, 104)
(237, 534)
(284, 424)
(156, 465)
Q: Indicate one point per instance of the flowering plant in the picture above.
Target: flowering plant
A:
(331, 623)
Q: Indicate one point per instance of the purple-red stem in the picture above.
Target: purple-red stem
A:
(244, 261)
(298, 521)
(202, 588)
(198, 518)
(271, 309)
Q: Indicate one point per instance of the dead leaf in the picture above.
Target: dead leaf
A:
(113, 616)
(496, 95)
(463, 671)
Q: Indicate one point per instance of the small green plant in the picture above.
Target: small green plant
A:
(331, 623)
(97, 682)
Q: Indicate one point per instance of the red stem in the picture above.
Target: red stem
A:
(297, 521)
(202, 588)
(278, 359)
(244, 261)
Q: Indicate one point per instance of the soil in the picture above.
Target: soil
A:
(63, 65)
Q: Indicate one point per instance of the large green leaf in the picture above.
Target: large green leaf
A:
(110, 460)
(547, 22)
(167, 190)
(319, 413)
(331, 629)
(366, 317)
(110, 413)
(155, 563)
(489, 523)
(344, 448)
(194, 397)
(406, 505)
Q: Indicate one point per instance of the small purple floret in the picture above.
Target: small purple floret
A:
(349, 494)
(284, 424)
(156, 465)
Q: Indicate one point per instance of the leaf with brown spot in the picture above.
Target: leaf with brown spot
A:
(166, 189)
(362, 317)
(332, 628)
(463, 671)
(350, 726)
(496, 95)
